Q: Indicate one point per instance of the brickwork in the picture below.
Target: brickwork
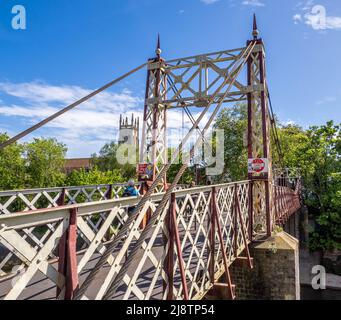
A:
(275, 275)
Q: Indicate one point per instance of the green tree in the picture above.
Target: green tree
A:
(293, 141)
(45, 158)
(107, 161)
(12, 167)
(316, 152)
(94, 176)
(323, 184)
(234, 123)
(189, 174)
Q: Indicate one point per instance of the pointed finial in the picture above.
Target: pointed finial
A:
(255, 31)
(158, 46)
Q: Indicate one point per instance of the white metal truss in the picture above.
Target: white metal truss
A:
(33, 199)
(148, 278)
(198, 81)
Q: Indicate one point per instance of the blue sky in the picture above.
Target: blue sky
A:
(72, 47)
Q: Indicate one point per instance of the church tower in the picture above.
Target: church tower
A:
(129, 131)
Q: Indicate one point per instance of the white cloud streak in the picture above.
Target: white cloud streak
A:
(84, 129)
(254, 3)
(92, 123)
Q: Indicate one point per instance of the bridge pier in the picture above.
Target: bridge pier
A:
(275, 275)
(292, 225)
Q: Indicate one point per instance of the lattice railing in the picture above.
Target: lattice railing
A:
(56, 248)
(286, 203)
(32, 199)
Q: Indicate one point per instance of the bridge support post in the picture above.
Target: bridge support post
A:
(228, 285)
(250, 204)
(154, 143)
(169, 259)
(61, 246)
(212, 234)
(242, 227)
(235, 223)
(178, 249)
(259, 135)
(61, 199)
(147, 216)
(108, 196)
(67, 263)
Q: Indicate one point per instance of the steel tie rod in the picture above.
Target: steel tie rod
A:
(80, 291)
(118, 278)
(68, 108)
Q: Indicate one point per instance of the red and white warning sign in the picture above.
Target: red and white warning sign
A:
(145, 170)
(258, 165)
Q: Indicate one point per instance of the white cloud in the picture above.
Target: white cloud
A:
(326, 100)
(209, 1)
(289, 122)
(84, 129)
(255, 3)
(297, 18)
(316, 17)
(318, 23)
(39, 92)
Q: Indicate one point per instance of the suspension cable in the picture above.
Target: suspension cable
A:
(68, 108)
(119, 277)
(81, 290)
(275, 131)
(183, 104)
(185, 108)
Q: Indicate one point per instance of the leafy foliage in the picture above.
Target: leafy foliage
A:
(234, 123)
(94, 176)
(316, 152)
(44, 162)
(40, 163)
(12, 166)
(323, 183)
(107, 161)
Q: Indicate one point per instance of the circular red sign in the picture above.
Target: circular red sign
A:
(257, 165)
